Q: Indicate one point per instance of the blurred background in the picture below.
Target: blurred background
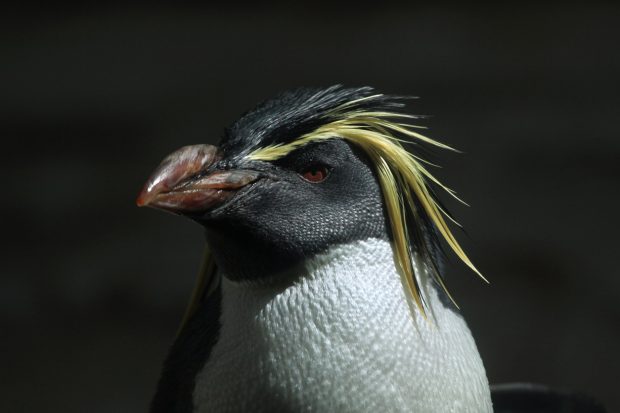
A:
(93, 97)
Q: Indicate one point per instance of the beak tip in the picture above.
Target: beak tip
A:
(179, 165)
(143, 199)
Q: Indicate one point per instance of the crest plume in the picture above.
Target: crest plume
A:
(373, 123)
(402, 176)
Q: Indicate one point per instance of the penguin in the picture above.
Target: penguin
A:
(321, 289)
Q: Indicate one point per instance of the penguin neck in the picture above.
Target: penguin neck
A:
(343, 327)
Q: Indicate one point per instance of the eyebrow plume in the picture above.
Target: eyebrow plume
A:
(403, 178)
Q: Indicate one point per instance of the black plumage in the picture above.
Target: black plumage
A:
(294, 113)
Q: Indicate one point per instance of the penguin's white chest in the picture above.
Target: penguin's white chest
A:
(340, 339)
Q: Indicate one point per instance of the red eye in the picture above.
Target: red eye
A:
(315, 173)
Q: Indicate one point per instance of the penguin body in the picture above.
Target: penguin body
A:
(339, 338)
(322, 294)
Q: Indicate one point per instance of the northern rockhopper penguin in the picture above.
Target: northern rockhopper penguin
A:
(321, 290)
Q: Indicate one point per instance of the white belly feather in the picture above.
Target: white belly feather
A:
(340, 339)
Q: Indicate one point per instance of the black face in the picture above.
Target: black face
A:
(318, 196)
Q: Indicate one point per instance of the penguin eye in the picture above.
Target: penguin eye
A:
(315, 173)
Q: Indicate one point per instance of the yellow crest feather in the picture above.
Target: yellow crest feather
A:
(206, 283)
(402, 176)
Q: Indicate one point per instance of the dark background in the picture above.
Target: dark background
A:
(92, 98)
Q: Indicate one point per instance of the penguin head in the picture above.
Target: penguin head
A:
(318, 196)
(304, 171)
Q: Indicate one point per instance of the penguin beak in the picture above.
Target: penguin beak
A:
(181, 184)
